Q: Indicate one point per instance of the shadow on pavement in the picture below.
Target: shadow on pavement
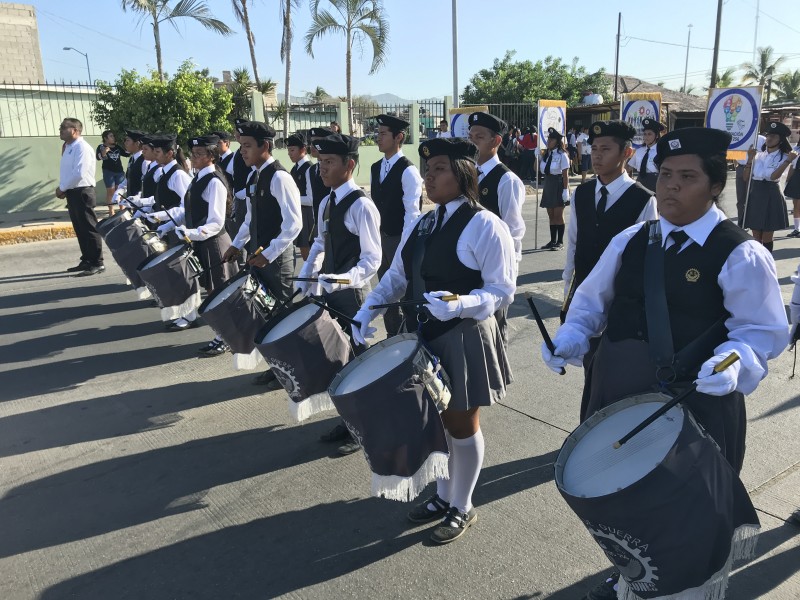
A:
(782, 407)
(38, 296)
(276, 555)
(540, 277)
(51, 316)
(759, 579)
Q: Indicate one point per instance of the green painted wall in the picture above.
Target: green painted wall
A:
(29, 171)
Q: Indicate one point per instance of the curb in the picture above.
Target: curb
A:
(36, 233)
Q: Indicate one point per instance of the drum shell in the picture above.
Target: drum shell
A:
(104, 226)
(306, 360)
(137, 251)
(671, 530)
(172, 281)
(237, 319)
(393, 417)
(124, 232)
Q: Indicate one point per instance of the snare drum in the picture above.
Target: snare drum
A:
(123, 232)
(666, 508)
(236, 312)
(390, 397)
(170, 277)
(107, 224)
(141, 244)
(305, 348)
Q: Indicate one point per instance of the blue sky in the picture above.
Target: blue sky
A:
(420, 47)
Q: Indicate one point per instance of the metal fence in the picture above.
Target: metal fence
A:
(431, 112)
(520, 114)
(37, 109)
(302, 117)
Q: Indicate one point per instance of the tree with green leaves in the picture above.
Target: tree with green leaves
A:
(286, 56)
(788, 86)
(157, 12)
(243, 16)
(360, 21)
(763, 70)
(524, 81)
(187, 103)
(725, 79)
(318, 96)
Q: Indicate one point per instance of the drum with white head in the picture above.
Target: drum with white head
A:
(131, 243)
(171, 277)
(107, 224)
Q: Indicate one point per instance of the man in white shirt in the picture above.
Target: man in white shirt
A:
(76, 183)
(584, 153)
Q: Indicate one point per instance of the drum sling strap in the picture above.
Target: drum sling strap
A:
(669, 365)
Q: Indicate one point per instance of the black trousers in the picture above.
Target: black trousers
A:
(393, 317)
(81, 203)
(275, 276)
(348, 301)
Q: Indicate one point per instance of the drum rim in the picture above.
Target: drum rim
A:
(358, 360)
(580, 431)
(272, 322)
(228, 282)
(147, 261)
(116, 216)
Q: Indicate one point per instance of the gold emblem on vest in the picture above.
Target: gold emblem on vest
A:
(692, 275)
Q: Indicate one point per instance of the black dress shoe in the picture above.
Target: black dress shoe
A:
(337, 434)
(433, 509)
(81, 266)
(214, 348)
(557, 246)
(548, 246)
(181, 324)
(265, 378)
(349, 447)
(90, 271)
(605, 590)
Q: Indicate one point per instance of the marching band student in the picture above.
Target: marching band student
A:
(722, 296)
(239, 173)
(555, 167)
(741, 183)
(137, 166)
(314, 184)
(146, 197)
(113, 173)
(766, 208)
(298, 154)
(792, 191)
(460, 249)
(272, 220)
(605, 206)
(347, 245)
(501, 191)
(644, 159)
(225, 155)
(396, 189)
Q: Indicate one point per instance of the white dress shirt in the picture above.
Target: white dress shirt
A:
(636, 160)
(585, 146)
(178, 183)
(757, 326)
(411, 181)
(305, 199)
(557, 165)
(361, 219)
(216, 196)
(285, 191)
(759, 144)
(766, 163)
(510, 198)
(149, 200)
(309, 187)
(484, 245)
(78, 166)
(615, 189)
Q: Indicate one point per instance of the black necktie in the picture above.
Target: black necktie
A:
(601, 205)
(547, 164)
(326, 215)
(252, 193)
(440, 213)
(643, 165)
(679, 237)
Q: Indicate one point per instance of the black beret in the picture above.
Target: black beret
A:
(135, 134)
(393, 123)
(653, 125)
(165, 141)
(223, 135)
(553, 134)
(204, 140)
(617, 129)
(146, 139)
(238, 122)
(779, 128)
(704, 142)
(296, 139)
(484, 119)
(256, 129)
(320, 132)
(337, 144)
(452, 147)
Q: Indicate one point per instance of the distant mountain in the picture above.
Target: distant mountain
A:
(295, 99)
(390, 99)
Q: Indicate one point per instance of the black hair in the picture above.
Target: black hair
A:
(716, 167)
(270, 143)
(105, 134)
(346, 157)
(466, 175)
(622, 143)
(73, 122)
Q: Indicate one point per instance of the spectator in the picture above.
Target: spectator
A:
(528, 142)
(113, 173)
(584, 152)
(444, 130)
(335, 127)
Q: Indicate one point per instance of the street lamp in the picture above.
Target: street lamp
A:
(86, 56)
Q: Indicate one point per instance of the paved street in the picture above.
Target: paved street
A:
(131, 469)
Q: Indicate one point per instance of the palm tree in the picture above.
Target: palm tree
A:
(360, 21)
(318, 96)
(242, 15)
(763, 70)
(160, 11)
(286, 56)
(688, 90)
(725, 79)
(788, 86)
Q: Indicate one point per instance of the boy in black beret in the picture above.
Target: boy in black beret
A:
(644, 159)
(315, 187)
(298, 153)
(396, 189)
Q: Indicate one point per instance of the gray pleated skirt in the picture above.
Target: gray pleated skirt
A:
(766, 208)
(209, 253)
(551, 194)
(474, 356)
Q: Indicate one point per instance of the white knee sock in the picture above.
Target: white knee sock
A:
(443, 485)
(469, 460)
(797, 224)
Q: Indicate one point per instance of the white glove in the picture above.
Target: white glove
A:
(155, 217)
(566, 353)
(145, 203)
(364, 332)
(565, 195)
(241, 194)
(180, 231)
(718, 384)
(441, 310)
(117, 197)
(332, 287)
(303, 287)
(165, 229)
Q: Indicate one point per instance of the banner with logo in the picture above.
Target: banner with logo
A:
(736, 110)
(552, 113)
(636, 107)
(459, 126)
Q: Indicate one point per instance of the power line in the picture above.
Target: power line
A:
(769, 16)
(630, 37)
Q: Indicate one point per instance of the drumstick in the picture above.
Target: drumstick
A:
(334, 312)
(281, 304)
(449, 298)
(718, 368)
(325, 279)
(542, 329)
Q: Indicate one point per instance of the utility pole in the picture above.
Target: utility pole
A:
(755, 34)
(714, 63)
(455, 55)
(686, 68)
(616, 55)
